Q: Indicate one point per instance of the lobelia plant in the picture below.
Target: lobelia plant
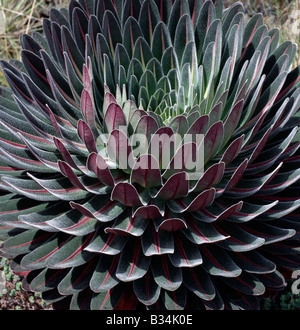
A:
(92, 216)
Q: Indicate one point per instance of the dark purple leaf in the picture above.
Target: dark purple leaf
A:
(211, 177)
(148, 212)
(213, 140)
(114, 118)
(67, 171)
(176, 187)
(87, 136)
(97, 164)
(119, 150)
(126, 194)
(146, 172)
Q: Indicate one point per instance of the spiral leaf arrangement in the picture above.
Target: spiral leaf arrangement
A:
(91, 229)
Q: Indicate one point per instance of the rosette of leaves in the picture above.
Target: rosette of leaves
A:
(92, 230)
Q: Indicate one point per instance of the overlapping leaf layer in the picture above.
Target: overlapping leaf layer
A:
(94, 230)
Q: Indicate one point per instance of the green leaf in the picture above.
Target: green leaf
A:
(133, 264)
(185, 254)
(269, 96)
(169, 60)
(280, 182)
(28, 188)
(230, 15)
(21, 157)
(61, 188)
(77, 279)
(38, 219)
(232, 121)
(213, 140)
(251, 27)
(275, 37)
(183, 35)
(274, 280)
(206, 16)
(132, 31)
(157, 243)
(108, 74)
(49, 159)
(71, 48)
(195, 7)
(217, 262)
(240, 240)
(105, 5)
(148, 19)
(47, 280)
(12, 208)
(107, 243)
(285, 48)
(104, 277)
(247, 284)
(24, 242)
(199, 282)
(130, 10)
(255, 68)
(72, 253)
(74, 223)
(73, 79)
(108, 300)
(164, 9)
(80, 300)
(111, 30)
(121, 59)
(214, 34)
(37, 259)
(80, 28)
(161, 39)
(190, 57)
(70, 109)
(149, 82)
(253, 262)
(142, 52)
(126, 224)
(200, 232)
(36, 69)
(179, 9)
(175, 300)
(146, 290)
(165, 274)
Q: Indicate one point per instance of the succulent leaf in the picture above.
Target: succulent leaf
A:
(149, 157)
